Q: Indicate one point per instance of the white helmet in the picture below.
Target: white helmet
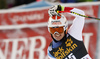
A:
(57, 21)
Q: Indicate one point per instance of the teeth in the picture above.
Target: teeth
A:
(57, 35)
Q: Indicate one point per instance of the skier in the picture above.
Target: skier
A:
(67, 43)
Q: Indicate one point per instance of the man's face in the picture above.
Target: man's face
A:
(58, 36)
(57, 32)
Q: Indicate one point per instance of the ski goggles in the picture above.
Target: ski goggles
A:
(56, 29)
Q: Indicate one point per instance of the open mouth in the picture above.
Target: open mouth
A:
(57, 35)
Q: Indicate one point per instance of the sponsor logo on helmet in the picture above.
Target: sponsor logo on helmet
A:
(56, 22)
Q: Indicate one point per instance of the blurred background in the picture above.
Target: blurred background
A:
(24, 33)
(4, 4)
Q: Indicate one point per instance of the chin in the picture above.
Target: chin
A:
(58, 39)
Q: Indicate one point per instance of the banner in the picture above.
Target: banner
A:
(16, 17)
(32, 43)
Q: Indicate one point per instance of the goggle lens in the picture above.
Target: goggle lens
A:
(56, 29)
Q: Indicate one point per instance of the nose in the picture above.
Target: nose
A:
(56, 32)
